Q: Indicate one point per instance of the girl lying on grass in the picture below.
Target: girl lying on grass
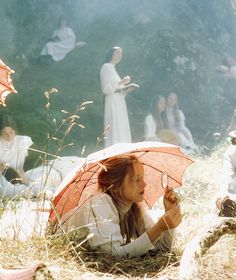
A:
(115, 218)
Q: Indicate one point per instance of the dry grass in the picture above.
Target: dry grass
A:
(197, 204)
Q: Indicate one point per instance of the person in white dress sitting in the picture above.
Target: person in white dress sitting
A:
(13, 148)
(176, 121)
(62, 42)
(156, 126)
(115, 89)
(226, 196)
(114, 218)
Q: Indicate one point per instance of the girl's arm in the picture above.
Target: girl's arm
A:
(104, 224)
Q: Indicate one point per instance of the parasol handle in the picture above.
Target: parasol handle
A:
(164, 180)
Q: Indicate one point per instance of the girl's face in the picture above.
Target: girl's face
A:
(134, 186)
(161, 105)
(171, 100)
(117, 55)
(8, 133)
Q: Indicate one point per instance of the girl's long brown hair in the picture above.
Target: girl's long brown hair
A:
(159, 117)
(110, 180)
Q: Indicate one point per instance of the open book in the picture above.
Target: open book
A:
(129, 87)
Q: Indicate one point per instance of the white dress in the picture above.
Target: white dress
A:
(46, 178)
(115, 111)
(228, 178)
(150, 132)
(15, 151)
(9, 191)
(99, 218)
(58, 50)
(42, 182)
(26, 219)
(180, 129)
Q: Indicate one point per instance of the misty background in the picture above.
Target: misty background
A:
(168, 46)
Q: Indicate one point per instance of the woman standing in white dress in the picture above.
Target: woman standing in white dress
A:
(115, 110)
(13, 148)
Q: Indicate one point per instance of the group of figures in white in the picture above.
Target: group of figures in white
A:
(165, 123)
(14, 181)
(118, 224)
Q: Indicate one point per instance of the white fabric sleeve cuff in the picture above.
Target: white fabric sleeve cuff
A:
(139, 246)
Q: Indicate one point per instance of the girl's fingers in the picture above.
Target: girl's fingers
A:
(172, 196)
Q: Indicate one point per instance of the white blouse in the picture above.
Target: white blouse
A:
(150, 132)
(178, 127)
(99, 217)
(109, 78)
(15, 151)
(228, 180)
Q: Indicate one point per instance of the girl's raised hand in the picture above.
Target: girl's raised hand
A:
(170, 199)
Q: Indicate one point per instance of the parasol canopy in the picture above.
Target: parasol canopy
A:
(6, 85)
(157, 159)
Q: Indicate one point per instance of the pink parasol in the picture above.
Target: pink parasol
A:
(6, 85)
(157, 158)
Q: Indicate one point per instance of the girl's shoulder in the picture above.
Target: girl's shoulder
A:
(107, 65)
(102, 197)
(22, 139)
(149, 117)
(103, 206)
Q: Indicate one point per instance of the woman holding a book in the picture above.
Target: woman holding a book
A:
(116, 119)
